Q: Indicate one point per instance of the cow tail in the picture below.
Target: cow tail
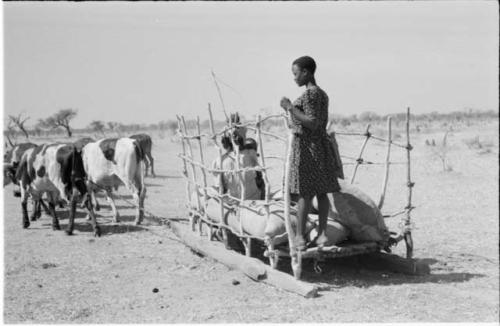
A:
(139, 153)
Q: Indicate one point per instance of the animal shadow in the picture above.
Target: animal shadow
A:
(153, 185)
(105, 223)
(109, 228)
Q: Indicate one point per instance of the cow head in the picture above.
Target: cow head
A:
(9, 173)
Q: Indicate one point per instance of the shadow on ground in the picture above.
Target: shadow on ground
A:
(356, 271)
(82, 225)
(163, 177)
(364, 271)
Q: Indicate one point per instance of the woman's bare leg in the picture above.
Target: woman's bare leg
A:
(323, 209)
(303, 209)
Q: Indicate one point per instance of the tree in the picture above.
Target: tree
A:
(97, 126)
(19, 123)
(60, 119)
(10, 132)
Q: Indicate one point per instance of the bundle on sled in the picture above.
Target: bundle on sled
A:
(352, 216)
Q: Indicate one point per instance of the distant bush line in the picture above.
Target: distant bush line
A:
(168, 127)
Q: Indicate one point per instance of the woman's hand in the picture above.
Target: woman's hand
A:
(285, 103)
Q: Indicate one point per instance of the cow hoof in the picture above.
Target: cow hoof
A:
(69, 232)
(97, 232)
(56, 227)
(26, 225)
(33, 219)
(137, 223)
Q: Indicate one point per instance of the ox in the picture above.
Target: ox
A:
(112, 162)
(56, 170)
(146, 145)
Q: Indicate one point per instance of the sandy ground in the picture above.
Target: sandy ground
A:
(52, 278)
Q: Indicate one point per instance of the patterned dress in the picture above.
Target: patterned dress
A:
(313, 166)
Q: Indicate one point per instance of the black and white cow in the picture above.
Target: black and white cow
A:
(56, 170)
(112, 162)
(11, 160)
(146, 144)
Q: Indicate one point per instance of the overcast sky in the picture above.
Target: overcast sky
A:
(145, 62)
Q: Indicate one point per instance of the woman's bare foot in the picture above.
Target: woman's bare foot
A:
(321, 241)
(300, 243)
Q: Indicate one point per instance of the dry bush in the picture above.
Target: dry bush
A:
(441, 150)
(482, 146)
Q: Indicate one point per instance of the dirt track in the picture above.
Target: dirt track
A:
(50, 277)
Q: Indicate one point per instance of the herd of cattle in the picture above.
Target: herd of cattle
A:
(71, 173)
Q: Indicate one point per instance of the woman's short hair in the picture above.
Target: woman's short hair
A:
(306, 62)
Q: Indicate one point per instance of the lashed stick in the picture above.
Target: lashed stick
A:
(387, 164)
(184, 172)
(204, 174)
(410, 184)
(220, 176)
(360, 156)
(193, 168)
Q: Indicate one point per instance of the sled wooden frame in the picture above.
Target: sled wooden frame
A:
(198, 215)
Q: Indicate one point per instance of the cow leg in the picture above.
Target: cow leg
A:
(24, 207)
(110, 199)
(72, 212)
(139, 196)
(146, 166)
(95, 202)
(91, 214)
(55, 220)
(45, 208)
(151, 162)
(37, 210)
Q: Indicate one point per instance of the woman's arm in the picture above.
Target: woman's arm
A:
(307, 120)
(310, 122)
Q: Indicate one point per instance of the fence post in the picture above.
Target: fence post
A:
(222, 222)
(184, 171)
(205, 197)
(193, 168)
(387, 164)
(410, 184)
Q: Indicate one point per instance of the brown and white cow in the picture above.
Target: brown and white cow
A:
(56, 170)
(146, 144)
(112, 162)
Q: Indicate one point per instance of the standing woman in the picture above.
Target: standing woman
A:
(313, 166)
